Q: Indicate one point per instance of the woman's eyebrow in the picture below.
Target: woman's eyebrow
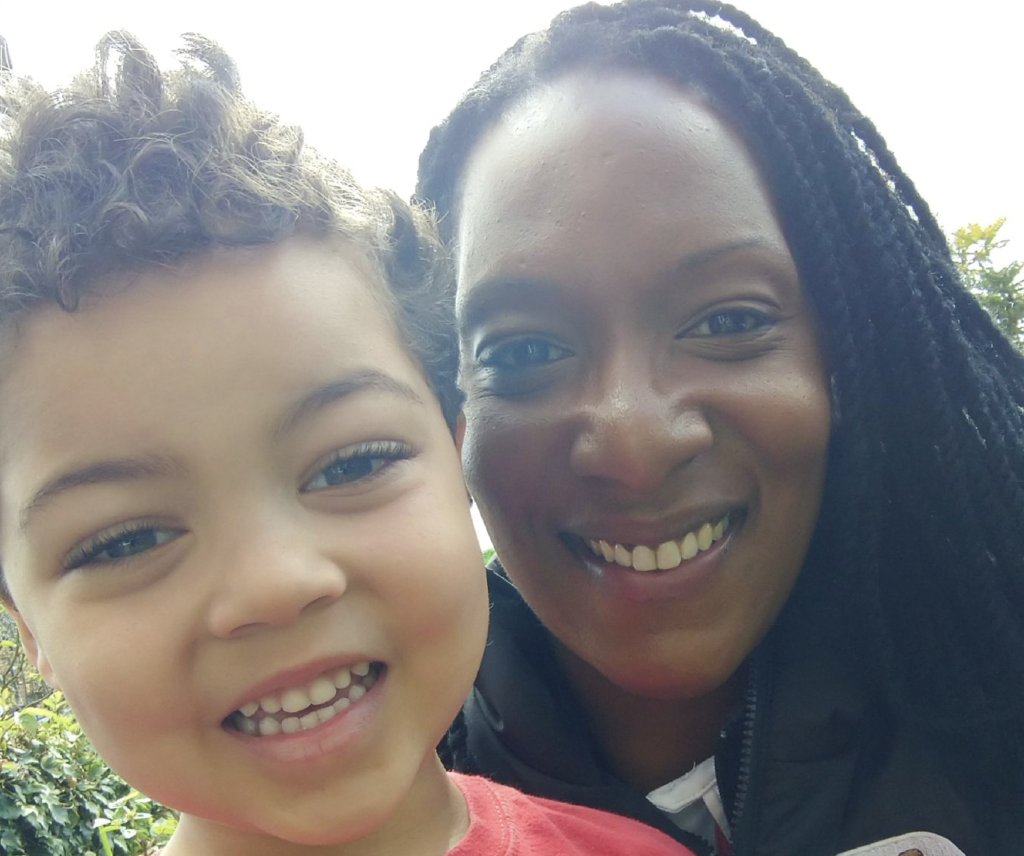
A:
(710, 255)
(100, 472)
(500, 292)
(363, 380)
(508, 292)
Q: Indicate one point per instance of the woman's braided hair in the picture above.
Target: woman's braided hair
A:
(130, 167)
(919, 550)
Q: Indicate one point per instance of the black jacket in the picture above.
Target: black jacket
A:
(809, 766)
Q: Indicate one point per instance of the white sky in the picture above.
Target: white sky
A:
(942, 80)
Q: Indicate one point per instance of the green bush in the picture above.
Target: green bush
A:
(58, 798)
(16, 674)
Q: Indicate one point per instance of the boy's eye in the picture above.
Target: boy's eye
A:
(119, 544)
(357, 464)
(727, 322)
(519, 354)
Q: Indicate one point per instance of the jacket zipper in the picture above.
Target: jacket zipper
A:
(751, 744)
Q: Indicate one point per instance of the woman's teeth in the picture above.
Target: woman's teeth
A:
(665, 556)
(305, 707)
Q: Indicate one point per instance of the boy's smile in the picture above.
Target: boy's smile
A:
(304, 707)
(234, 526)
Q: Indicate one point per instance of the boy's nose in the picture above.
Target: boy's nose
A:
(634, 434)
(271, 583)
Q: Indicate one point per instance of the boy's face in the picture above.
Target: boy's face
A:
(230, 484)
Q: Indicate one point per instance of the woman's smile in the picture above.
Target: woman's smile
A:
(665, 555)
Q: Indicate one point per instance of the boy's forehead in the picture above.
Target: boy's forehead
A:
(207, 303)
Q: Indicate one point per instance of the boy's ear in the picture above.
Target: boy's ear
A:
(33, 651)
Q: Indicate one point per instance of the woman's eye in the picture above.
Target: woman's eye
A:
(521, 354)
(119, 545)
(729, 322)
(357, 464)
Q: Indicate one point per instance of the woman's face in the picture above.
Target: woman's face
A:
(647, 407)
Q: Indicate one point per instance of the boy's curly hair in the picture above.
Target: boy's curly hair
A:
(130, 167)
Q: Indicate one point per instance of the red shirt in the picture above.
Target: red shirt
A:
(505, 822)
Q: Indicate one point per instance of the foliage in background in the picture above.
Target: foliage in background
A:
(58, 798)
(999, 289)
(16, 674)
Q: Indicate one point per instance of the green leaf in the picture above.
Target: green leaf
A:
(28, 722)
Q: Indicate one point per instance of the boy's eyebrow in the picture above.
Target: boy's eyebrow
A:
(361, 381)
(133, 469)
(101, 472)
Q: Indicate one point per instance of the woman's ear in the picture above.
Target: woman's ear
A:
(33, 650)
(460, 431)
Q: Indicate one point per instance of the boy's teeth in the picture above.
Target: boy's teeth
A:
(664, 556)
(345, 686)
(322, 690)
(294, 700)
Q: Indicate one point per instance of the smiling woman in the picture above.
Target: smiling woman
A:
(751, 456)
(677, 382)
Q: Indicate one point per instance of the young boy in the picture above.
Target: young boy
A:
(233, 528)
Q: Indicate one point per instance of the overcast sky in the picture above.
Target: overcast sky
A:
(367, 80)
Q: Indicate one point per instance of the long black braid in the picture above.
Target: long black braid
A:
(919, 552)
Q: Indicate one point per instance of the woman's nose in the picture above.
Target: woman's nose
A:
(635, 430)
(269, 579)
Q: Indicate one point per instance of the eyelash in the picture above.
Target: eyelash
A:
(91, 551)
(496, 358)
(374, 458)
(761, 320)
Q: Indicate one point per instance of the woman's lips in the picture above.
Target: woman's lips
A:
(666, 555)
(628, 576)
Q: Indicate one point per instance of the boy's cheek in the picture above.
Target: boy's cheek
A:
(34, 652)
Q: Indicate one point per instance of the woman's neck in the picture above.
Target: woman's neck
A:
(650, 741)
(430, 821)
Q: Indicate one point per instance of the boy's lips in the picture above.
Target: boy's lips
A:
(307, 704)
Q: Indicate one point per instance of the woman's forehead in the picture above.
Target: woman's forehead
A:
(605, 159)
